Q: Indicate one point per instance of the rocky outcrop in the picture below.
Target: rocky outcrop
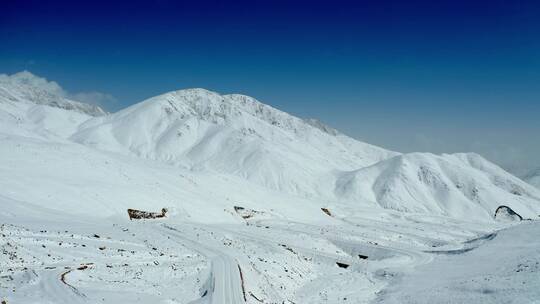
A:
(506, 214)
(138, 214)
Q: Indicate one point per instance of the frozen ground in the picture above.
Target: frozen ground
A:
(244, 185)
(502, 267)
(55, 259)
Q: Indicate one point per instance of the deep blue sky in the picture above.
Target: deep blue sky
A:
(407, 75)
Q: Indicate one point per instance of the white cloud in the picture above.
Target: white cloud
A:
(96, 98)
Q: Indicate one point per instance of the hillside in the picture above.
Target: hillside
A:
(238, 135)
(533, 177)
(262, 207)
(24, 87)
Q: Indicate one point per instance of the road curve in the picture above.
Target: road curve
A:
(225, 283)
(53, 286)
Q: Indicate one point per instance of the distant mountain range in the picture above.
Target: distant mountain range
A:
(533, 177)
(243, 139)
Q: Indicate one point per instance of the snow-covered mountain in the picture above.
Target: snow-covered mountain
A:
(239, 136)
(232, 134)
(236, 134)
(24, 87)
(459, 185)
(263, 207)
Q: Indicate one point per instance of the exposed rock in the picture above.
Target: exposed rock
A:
(506, 214)
(325, 210)
(138, 214)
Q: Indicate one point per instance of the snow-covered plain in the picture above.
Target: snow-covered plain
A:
(244, 185)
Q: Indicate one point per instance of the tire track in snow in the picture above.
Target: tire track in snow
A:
(225, 282)
(53, 284)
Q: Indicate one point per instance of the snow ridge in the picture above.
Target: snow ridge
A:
(232, 134)
(463, 185)
(263, 207)
(238, 137)
(533, 177)
(26, 87)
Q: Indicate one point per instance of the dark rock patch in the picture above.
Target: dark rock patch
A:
(506, 214)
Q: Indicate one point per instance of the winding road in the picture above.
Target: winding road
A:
(224, 285)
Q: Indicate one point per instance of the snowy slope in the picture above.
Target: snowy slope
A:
(501, 267)
(231, 134)
(24, 87)
(533, 177)
(67, 176)
(243, 139)
(460, 185)
(236, 134)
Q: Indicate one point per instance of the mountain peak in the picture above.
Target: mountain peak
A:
(27, 79)
(27, 87)
(213, 107)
